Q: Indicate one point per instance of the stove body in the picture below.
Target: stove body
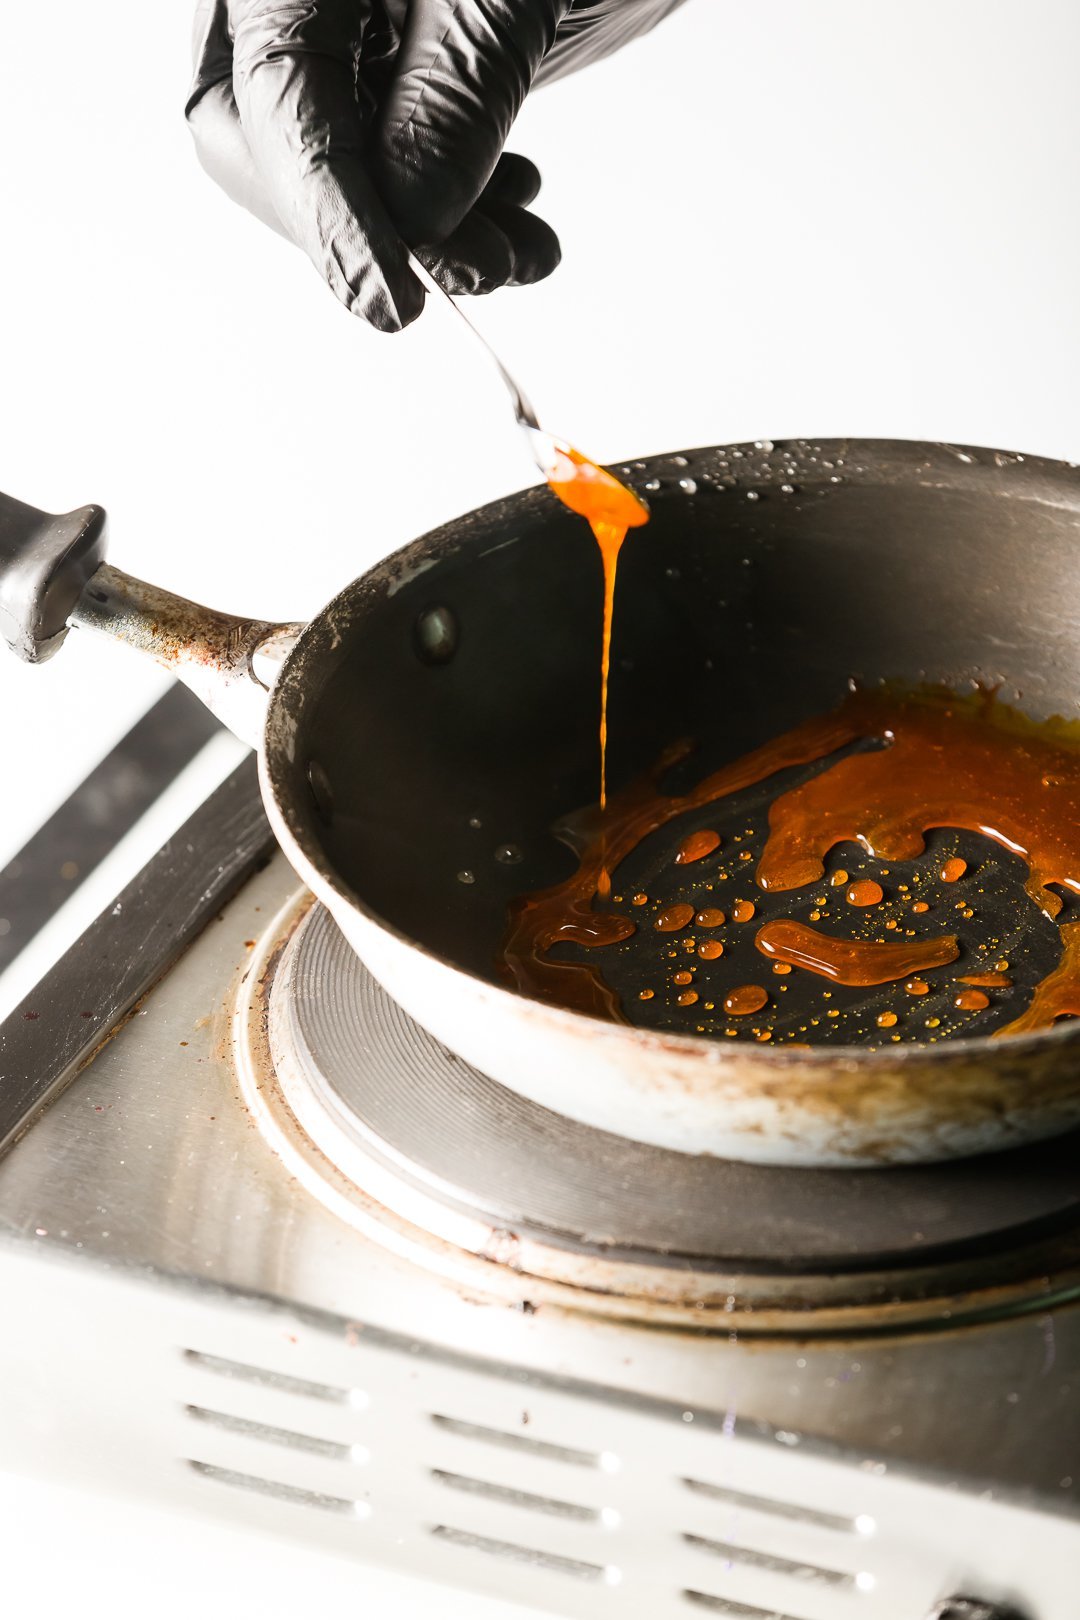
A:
(230, 1289)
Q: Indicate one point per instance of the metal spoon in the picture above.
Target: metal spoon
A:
(546, 448)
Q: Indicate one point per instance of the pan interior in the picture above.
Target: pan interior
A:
(450, 720)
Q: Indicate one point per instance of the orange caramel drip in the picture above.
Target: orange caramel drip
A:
(971, 1000)
(743, 911)
(745, 999)
(709, 917)
(852, 961)
(710, 949)
(696, 845)
(991, 980)
(953, 869)
(610, 509)
(865, 892)
(917, 987)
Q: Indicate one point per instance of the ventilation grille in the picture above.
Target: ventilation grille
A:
(673, 1517)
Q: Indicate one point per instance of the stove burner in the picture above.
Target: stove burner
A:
(393, 1109)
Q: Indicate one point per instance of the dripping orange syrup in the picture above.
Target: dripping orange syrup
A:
(611, 510)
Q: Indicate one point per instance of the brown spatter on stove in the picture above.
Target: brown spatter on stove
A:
(674, 918)
(696, 845)
(852, 961)
(865, 892)
(745, 999)
(953, 869)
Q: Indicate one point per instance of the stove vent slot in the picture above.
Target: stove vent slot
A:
(778, 1509)
(734, 1611)
(777, 1565)
(519, 1442)
(535, 1556)
(253, 1430)
(517, 1498)
(269, 1380)
(279, 1491)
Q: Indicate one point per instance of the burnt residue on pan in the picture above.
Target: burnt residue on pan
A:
(861, 870)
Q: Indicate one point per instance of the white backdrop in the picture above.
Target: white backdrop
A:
(778, 219)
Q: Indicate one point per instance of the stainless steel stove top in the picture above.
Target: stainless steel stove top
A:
(273, 1252)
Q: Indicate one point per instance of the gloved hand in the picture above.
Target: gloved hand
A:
(357, 126)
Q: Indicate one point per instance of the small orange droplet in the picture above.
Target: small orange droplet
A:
(886, 1020)
(743, 910)
(672, 918)
(781, 967)
(763, 1034)
(920, 905)
(710, 917)
(645, 995)
(640, 900)
(696, 845)
(688, 998)
(917, 987)
(1002, 965)
(744, 999)
(839, 878)
(932, 1023)
(710, 949)
(684, 977)
(953, 869)
(865, 892)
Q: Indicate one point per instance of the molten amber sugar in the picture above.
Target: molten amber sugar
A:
(953, 870)
(710, 949)
(743, 910)
(945, 761)
(992, 980)
(852, 961)
(709, 917)
(971, 1000)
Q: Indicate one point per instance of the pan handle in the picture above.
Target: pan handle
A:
(45, 563)
(53, 575)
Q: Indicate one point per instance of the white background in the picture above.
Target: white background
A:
(793, 218)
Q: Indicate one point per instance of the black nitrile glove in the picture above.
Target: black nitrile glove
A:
(357, 126)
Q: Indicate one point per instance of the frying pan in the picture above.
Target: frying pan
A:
(421, 736)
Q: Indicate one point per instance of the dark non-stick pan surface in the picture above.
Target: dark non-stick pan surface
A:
(764, 583)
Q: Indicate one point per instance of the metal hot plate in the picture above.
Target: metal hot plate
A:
(399, 1116)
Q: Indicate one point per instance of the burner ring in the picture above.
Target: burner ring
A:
(432, 1159)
